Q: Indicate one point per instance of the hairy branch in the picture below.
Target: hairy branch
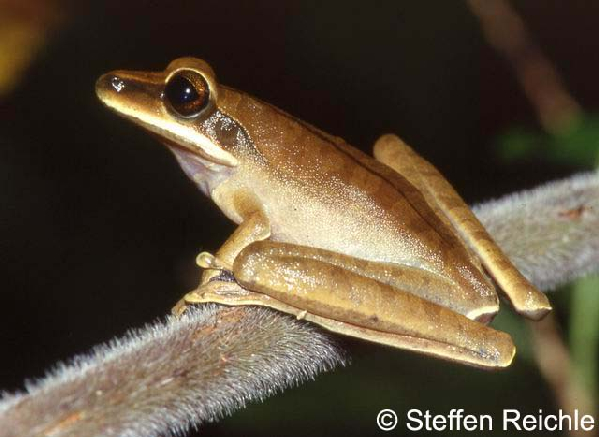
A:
(551, 232)
(172, 375)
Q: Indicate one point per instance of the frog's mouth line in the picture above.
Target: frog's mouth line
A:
(169, 138)
(173, 145)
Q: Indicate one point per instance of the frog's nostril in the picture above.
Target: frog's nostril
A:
(117, 83)
(108, 84)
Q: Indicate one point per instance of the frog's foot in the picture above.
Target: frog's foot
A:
(223, 291)
(180, 307)
(216, 291)
(214, 269)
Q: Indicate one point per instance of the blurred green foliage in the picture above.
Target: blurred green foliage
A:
(576, 144)
(584, 334)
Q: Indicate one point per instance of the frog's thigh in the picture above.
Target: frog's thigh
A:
(441, 196)
(351, 304)
(427, 285)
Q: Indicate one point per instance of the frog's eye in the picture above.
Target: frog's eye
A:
(187, 93)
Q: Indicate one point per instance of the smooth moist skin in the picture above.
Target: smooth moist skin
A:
(378, 248)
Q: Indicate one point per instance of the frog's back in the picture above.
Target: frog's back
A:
(321, 192)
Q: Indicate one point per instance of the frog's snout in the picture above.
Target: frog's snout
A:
(123, 90)
(111, 87)
(109, 83)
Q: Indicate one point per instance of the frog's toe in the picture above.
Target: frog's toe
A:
(180, 307)
(208, 261)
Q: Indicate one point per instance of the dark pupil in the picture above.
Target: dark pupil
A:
(184, 97)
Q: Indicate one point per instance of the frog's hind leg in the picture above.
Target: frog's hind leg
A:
(427, 285)
(448, 204)
(346, 302)
(497, 354)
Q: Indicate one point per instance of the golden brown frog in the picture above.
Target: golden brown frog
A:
(377, 248)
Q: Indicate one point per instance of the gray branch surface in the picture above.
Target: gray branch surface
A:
(178, 373)
(166, 377)
(550, 233)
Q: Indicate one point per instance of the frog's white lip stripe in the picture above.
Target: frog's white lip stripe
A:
(175, 132)
(194, 141)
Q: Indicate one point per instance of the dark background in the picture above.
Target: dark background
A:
(99, 228)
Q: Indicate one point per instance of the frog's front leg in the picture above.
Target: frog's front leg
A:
(342, 300)
(254, 227)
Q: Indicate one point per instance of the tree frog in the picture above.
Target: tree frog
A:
(379, 248)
